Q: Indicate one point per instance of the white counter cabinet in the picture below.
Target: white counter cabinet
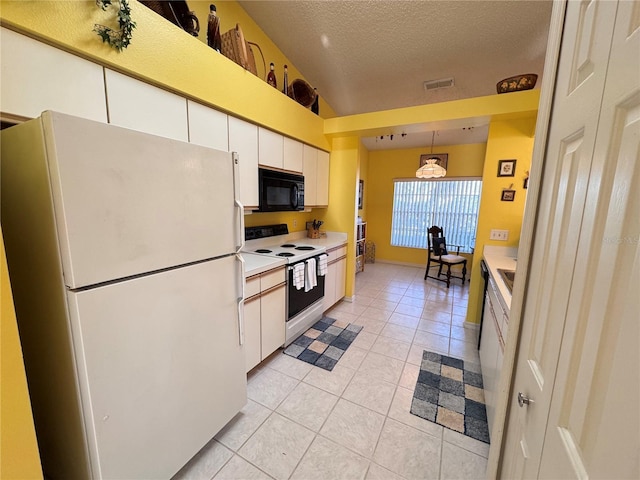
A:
(495, 322)
(264, 315)
(336, 276)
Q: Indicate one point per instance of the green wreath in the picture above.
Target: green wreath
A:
(118, 39)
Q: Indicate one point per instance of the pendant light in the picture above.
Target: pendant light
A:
(431, 169)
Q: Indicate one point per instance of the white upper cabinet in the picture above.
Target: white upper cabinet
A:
(270, 148)
(310, 172)
(316, 177)
(37, 77)
(208, 127)
(292, 155)
(243, 138)
(322, 179)
(143, 107)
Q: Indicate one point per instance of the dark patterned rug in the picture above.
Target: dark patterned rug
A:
(449, 392)
(324, 343)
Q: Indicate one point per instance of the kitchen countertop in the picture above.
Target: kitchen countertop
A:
(256, 263)
(505, 258)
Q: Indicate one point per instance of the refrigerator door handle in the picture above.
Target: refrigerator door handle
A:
(236, 200)
(241, 299)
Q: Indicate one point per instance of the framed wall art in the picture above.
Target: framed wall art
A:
(506, 168)
(443, 159)
(360, 194)
(508, 195)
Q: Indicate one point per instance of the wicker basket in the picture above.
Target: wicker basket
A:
(302, 92)
(235, 47)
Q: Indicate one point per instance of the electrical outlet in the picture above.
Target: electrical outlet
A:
(502, 235)
(295, 223)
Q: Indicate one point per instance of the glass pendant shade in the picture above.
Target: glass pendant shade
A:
(431, 170)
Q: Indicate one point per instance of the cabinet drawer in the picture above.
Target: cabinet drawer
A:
(336, 253)
(271, 279)
(252, 286)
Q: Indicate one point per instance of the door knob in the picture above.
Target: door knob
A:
(522, 400)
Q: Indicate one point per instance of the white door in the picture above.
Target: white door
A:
(578, 356)
(160, 367)
(128, 203)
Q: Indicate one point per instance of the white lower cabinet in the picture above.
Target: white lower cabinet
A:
(335, 279)
(264, 315)
(491, 351)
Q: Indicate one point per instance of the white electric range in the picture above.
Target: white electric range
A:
(305, 304)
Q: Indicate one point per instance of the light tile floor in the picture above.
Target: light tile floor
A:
(302, 422)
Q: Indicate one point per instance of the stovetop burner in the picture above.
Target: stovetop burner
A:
(305, 247)
(285, 254)
(288, 245)
(263, 250)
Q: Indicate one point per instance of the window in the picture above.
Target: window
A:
(450, 204)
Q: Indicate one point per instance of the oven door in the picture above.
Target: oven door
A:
(299, 300)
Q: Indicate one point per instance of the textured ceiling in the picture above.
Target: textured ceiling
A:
(366, 56)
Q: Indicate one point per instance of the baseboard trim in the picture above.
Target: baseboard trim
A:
(471, 325)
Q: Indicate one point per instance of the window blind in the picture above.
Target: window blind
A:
(450, 204)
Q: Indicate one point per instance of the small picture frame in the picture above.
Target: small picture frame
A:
(443, 159)
(506, 168)
(508, 195)
(360, 194)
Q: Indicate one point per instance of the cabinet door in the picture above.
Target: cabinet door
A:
(341, 279)
(270, 148)
(243, 138)
(272, 306)
(330, 287)
(143, 107)
(208, 127)
(310, 172)
(55, 80)
(322, 179)
(252, 334)
(489, 348)
(292, 155)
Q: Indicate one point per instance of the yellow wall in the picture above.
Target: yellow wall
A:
(166, 56)
(230, 13)
(384, 166)
(19, 458)
(341, 216)
(296, 221)
(511, 139)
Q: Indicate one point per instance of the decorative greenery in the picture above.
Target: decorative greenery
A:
(118, 39)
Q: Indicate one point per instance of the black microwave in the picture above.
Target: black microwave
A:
(280, 191)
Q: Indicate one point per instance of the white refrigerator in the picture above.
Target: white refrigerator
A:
(122, 252)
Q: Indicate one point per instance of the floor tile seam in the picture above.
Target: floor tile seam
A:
(283, 399)
(246, 460)
(463, 448)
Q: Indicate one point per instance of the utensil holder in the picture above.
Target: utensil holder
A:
(313, 233)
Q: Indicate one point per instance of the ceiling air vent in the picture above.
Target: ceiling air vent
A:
(437, 84)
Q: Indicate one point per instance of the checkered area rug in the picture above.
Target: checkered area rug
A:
(449, 392)
(324, 343)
